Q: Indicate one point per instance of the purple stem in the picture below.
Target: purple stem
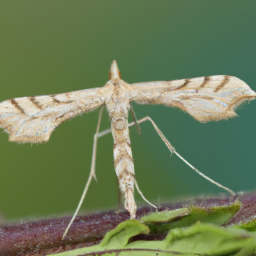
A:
(44, 236)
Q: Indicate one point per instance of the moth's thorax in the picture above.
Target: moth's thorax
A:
(118, 105)
(118, 112)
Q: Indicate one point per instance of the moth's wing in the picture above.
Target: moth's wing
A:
(33, 119)
(205, 98)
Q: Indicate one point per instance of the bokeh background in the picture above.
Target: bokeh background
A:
(49, 47)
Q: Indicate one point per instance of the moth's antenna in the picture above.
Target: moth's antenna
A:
(91, 175)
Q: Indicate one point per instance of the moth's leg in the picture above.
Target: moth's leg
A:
(101, 134)
(91, 175)
(137, 187)
(172, 149)
(95, 142)
(119, 198)
(135, 119)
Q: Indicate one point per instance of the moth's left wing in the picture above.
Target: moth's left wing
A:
(205, 98)
(33, 119)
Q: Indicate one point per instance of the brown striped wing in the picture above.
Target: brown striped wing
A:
(205, 98)
(33, 119)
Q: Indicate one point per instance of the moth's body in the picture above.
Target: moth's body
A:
(118, 107)
(210, 98)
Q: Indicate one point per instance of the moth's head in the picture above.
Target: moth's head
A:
(114, 72)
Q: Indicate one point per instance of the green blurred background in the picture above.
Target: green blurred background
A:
(49, 47)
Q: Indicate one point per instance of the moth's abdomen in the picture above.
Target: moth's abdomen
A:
(123, 161)
(124, 168)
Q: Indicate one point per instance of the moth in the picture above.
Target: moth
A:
(209, 98)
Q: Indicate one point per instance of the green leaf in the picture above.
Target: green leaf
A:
(115, 239)
(119, 237)
(249, 225)
(198, 239)
(165, 216)
(209, 239)
(216, 215)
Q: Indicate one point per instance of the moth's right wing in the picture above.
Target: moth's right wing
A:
(33, 119)
(209, 98)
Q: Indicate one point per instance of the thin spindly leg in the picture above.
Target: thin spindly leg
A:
(135, 119)
(138, 189)
(101, 134)
(119, 197)
(91, 175)
(172, 149)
